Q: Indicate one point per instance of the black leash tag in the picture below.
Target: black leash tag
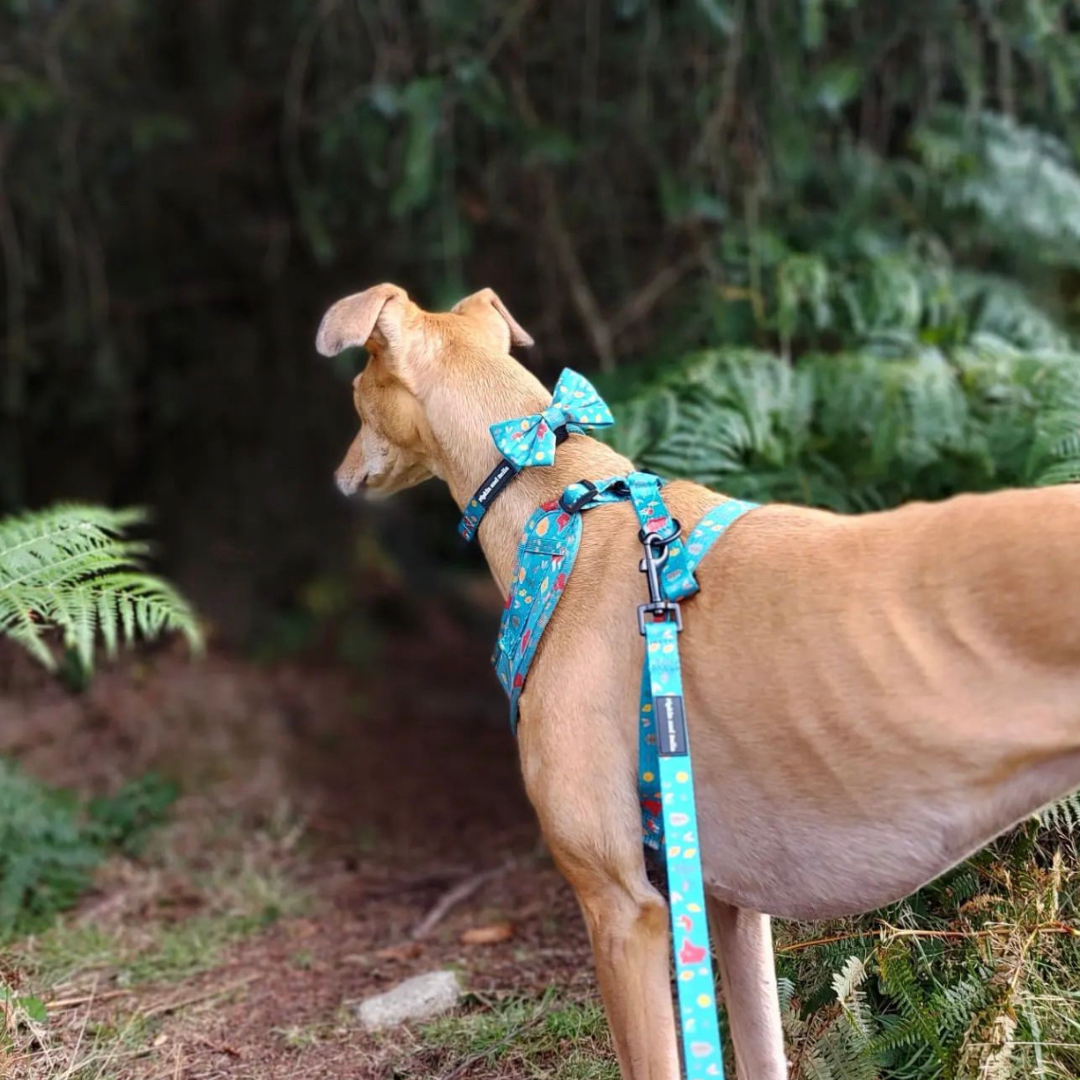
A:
(670, 725)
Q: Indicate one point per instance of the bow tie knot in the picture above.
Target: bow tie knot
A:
(531, 440)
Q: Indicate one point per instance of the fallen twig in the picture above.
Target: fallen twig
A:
(194, 999)
(891, 933)
(452, 897)
(71, 1002)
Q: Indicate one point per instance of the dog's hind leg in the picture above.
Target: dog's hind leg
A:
(748, 973)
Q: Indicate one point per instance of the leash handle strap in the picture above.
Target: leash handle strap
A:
(662, 704)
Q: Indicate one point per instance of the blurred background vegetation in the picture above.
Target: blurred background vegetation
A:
(825, 252)
(867, 214)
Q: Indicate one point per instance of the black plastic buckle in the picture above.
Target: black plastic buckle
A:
(590, 490)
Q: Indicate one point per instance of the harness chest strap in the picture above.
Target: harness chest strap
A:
(548, 550)
(546, 555)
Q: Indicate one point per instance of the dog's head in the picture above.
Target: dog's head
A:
(408, 350)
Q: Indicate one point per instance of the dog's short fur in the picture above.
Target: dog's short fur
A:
(870, 698)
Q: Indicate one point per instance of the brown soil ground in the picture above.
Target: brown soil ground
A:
(402, 781)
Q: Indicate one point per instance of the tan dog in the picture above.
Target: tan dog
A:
(870, 698)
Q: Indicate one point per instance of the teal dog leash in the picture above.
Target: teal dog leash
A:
(546, 555)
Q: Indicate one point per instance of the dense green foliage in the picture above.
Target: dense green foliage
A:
(50, 843)
(72, 568)
(854, 431)
(184, 186)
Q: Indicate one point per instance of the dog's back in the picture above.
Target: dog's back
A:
(880, 673)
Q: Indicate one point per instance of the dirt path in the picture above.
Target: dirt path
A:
(326, 812)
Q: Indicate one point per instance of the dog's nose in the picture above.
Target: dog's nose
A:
(349, 485)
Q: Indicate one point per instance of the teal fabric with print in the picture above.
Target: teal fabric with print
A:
(694, 979)
(546, 554)
(548, 548)
(530, 440)
(702, 537)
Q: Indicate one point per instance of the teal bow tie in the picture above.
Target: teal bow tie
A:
(530, 440)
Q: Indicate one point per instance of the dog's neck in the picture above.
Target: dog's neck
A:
(468, 455)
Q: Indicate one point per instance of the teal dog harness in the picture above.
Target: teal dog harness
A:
(546, 554)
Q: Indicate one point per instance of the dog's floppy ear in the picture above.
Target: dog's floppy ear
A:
(375, 312)
(487, 301)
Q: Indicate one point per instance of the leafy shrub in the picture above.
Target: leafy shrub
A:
(50, 843)
(973, 976)
(854, 431)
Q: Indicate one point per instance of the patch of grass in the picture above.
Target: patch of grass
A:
(50, 842)
(537, 1039)
(243, 901)
(33, 1049)
(127, 957)
(178, 952)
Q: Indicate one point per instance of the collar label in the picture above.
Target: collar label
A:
(493, 484)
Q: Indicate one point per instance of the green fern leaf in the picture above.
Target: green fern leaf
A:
(72, 568)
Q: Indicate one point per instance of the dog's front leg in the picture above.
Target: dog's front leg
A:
(748, 973)
(628, 928)
(593, 830)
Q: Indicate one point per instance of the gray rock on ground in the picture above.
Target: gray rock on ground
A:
(419, 998)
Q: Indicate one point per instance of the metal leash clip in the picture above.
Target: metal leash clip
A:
(656, 554)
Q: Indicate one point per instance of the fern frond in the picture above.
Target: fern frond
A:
(72, 567)
(1063, 815)
(1021, 181)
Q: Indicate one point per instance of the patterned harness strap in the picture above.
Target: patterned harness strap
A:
(546, 555)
